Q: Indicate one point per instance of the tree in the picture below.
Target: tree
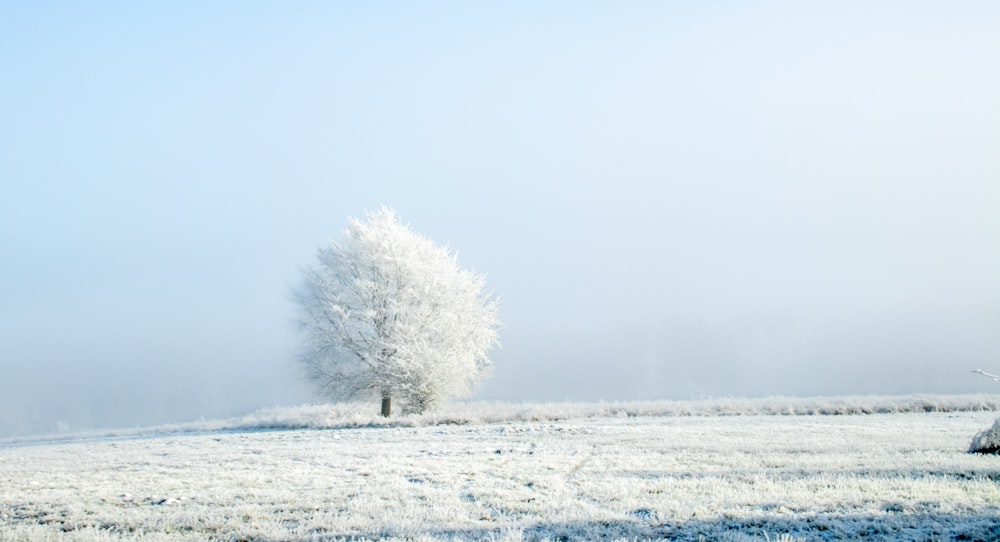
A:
(388, 314)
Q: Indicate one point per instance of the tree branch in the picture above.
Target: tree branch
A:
(987, 375)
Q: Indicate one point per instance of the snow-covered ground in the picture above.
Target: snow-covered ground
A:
(529, 472)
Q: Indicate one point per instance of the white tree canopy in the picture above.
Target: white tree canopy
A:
(387, 313)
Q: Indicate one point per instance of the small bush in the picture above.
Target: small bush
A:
(988, 441)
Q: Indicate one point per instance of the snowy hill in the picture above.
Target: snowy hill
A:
(716, 470)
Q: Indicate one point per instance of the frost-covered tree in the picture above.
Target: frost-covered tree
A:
(388, 314)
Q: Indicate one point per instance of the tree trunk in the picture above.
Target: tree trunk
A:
(386, 405)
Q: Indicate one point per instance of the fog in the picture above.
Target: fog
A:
(672, 200)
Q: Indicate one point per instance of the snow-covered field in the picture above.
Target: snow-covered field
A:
(729, 470)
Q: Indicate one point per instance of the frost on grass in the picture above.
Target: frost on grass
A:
(988, 441)
(736, 478)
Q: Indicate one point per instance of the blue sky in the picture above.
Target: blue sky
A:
(673, 199)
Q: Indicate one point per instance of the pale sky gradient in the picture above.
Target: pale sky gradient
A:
(673, 199)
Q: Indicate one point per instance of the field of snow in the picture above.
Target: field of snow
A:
(885, 469)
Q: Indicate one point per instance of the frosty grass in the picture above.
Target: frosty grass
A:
(686, 471)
